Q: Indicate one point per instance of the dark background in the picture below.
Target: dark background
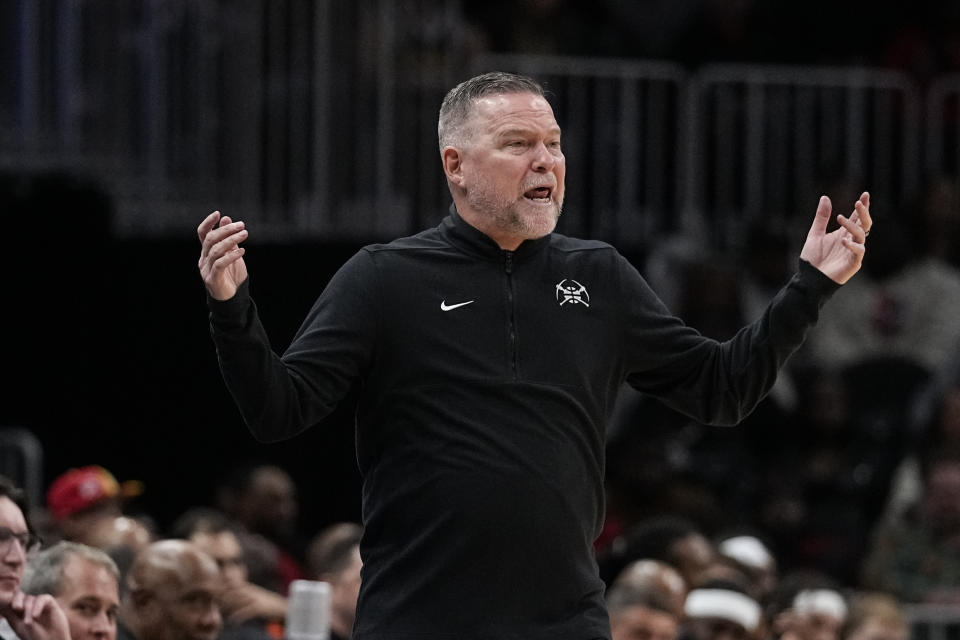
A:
(109, 360)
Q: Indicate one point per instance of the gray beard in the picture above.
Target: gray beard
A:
(508, 218)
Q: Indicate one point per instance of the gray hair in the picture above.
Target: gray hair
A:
(458, 104)
(44, 573)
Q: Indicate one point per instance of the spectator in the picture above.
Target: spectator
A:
(653, 576)
(23, 616)
(242, 603)
(80, 497)
(172, 590)
(875, 616)
(334, 557)
(675, 541)
(122, 538)
(719, 610)
(261, 499)
(85, 581)
(917, 557)
(754, 558)
(637, 613)
(806, 606)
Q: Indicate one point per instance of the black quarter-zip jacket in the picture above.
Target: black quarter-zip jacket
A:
(486, 378)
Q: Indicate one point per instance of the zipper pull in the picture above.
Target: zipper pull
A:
(508, 261)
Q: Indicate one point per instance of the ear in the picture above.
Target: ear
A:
(452, 160)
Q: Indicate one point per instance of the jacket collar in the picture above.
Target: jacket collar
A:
(475, 242)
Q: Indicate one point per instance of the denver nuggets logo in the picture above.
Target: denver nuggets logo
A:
(573, 292)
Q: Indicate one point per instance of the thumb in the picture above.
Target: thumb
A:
(822, 218)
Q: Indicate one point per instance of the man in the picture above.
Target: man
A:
(23, 616)
(172, 590)
(917, 557)
(487, 354)
(720, 611)
(334, 558)
(671, 539)
(262, 500)
(806, 606)
(121, 537)
(657, 577)
(79, 499)
(638, 613)
(84, 581)
(241, 603)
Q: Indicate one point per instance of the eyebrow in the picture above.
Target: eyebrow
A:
(514, 131)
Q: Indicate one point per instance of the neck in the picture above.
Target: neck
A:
(506, 241)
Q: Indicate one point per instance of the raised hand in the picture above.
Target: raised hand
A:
(838, 254)
(221, 256)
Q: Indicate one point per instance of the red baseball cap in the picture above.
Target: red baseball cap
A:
(80, 489)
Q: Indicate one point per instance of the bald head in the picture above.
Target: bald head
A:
(173, 589)
(169, 562)
(655, 577)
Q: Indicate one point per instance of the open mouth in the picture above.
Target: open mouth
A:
(539, 194)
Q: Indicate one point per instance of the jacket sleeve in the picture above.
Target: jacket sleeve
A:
(279, 397)
(710, 381)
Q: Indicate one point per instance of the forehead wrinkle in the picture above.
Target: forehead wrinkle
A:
(498, 109)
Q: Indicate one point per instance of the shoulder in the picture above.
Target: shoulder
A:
(567, 244)
(425, 240)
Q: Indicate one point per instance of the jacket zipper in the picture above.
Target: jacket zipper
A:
(511, 317)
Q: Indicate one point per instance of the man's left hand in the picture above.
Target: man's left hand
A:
(838, 254)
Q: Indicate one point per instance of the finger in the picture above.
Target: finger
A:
(31, 608)
(225, 246)
(208, 223)
(856, 247)
(820, 220)
(228, 258)
(863, 215)
(851, 225)
(220, 234)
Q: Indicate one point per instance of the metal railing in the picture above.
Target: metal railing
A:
(318, 120)
(766, 141)
(933, 622)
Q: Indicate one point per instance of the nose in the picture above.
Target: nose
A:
(103, 626)
(212, 620)
(543, 159)
(15, 554)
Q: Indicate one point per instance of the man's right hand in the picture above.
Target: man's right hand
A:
(221, 256)
(36, 617)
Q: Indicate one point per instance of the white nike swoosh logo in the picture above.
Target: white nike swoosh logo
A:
(447, 307)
